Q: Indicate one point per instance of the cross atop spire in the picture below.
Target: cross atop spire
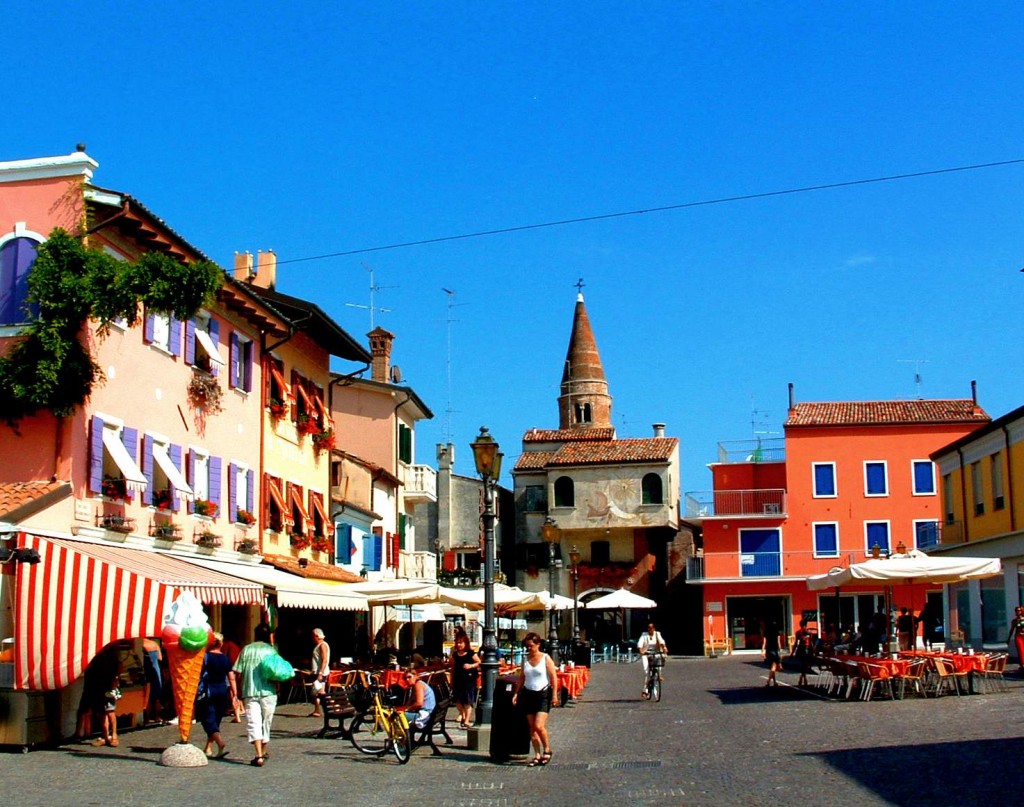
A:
(579, 289)
(584, 402)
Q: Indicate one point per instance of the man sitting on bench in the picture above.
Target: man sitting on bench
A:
(421, 700)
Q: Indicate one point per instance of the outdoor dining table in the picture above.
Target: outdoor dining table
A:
(969, 663)
(574, 680)
(896, 667)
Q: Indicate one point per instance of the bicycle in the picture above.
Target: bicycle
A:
(381, 727)
(652, 687)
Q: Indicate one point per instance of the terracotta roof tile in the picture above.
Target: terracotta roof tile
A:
(533, 460)
(16, 495)
(314, 569)
(867, 413)
(568, 435)
(652, 449)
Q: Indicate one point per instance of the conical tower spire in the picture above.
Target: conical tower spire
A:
(584, 402)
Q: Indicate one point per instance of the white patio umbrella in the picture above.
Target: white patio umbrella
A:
(623, 598)
(556, 602)
(909, 567)
(506, 598)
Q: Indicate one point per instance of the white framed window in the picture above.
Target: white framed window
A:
(977, 489)
(923, 474)
(876, 533)
(200, 467)
(998, 489)
(824, 478)
(826, 539)
(926, 533)
(161, 332)
(241, 351)
(876, 478)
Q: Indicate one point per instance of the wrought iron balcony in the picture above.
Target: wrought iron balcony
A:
(760, 503)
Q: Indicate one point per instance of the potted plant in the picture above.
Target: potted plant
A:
(244, 517)
(117, 523)
(324, 440)
(299, 541)
(167, 532)
(277, 408)
(208, 540)
(321, 543)
(204, 507)
(114, 487)
(247, 546)
(307, 425)
(205, 393)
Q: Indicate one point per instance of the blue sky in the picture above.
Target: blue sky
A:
(322, 128)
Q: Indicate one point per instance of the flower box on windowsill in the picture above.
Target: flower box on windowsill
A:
(299, 541)
(165, 532)
(114, 488)
(322, 544)
(247, 546)
(204, 507)
(324, 440)
(116, 523)
(245, 518)
(277, 408)
(207, 540)
(307, 425)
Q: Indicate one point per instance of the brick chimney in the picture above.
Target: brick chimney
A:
(243, 267)
(380, 349)
(266, 270)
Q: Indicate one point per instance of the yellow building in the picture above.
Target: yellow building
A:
(982, 490)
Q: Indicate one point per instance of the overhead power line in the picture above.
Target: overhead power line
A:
(662, 209)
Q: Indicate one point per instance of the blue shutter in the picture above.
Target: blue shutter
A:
(147, 469)
(764, 546)
(130, 438)
(232, 359)
(825, 539)
(174, 342)
(192, 478)
(878, 533)
(16, 259)
(190, 342)
(250, 491)
(174, 452)
(343, 546)
(924, 477)
(149, 328)
(215, 483)
(875, 473)
(215, 338)
(824, 480)
(232, 492)
(367, 551)
(96, 455)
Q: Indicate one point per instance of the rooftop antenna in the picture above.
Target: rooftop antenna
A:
(374, 288)
(448, 365)
(917, 372)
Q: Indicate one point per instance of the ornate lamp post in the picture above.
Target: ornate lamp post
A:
(550, 532)
(488, 465)
(574, 559)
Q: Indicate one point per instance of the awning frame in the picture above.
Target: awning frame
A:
(134, 479)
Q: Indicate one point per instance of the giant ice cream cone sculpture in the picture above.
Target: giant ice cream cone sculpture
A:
(185, 635)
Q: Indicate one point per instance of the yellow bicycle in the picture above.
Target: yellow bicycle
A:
(381, 727)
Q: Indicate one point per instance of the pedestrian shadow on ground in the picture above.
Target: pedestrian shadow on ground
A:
(921, 774)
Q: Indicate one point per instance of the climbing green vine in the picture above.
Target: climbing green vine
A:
(51, 367)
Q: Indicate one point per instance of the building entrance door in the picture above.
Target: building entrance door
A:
(749, 616)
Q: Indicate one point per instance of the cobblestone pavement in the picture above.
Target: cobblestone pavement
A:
(719, 736)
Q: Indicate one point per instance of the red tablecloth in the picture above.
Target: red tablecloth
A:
(961, 662)
(894, 666)
(574, 680)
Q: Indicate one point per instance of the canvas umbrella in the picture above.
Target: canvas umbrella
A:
(621, 600)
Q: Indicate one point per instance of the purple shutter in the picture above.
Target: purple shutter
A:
(233, 360)
(16, 259)
(215, 482)
(174, 343)
(130, 438)
(148, 496)
(96, 455)
(215, 338)
(250, 486)
(190, 342)
(192, 478)
(232, 491)
(248, 352)
(149, 328)
(174, 452)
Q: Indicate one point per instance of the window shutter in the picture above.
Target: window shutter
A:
(190, 342)
(250, 493)
(449, 560)
(174, 452)
(233, 360)
(232, 491)
(368, 551)
(192, 479)
(396, 548)
(247, 355)
(296, 380)
(130, 438)
(96, 455)
(174, 342)
(148, 328)
(147, 469)
(215, 479)
(215, 338)
(344, 549)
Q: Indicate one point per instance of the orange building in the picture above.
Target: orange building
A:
(848, 479)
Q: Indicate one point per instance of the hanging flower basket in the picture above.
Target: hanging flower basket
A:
(277, 408)
(322, 544)
(114, 488)
(204, 507)
(307, 425)
(299, 541)
(244, 517)
(324, 440)
(205, 393)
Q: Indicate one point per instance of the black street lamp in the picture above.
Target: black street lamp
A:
(574, 559)
(550, 532)
(488, 465)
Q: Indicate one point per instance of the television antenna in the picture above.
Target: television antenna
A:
(374, 288)
(449, 321)
(917, 373)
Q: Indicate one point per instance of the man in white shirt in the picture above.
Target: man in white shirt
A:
(650, 640)
(321, 669)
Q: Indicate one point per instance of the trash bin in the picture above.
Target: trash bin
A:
(510, 731)
(581, 654)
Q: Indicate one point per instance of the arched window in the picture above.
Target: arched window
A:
(565, 492)
(16, 258)
(651, 489)
(583, 413)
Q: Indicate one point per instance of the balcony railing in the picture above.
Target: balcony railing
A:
(767, 449)
(421, 484)
(765, 503)
(417, 565)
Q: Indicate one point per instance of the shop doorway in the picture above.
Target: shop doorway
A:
(849, 611)
(749, 616)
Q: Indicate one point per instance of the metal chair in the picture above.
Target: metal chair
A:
(872, 675)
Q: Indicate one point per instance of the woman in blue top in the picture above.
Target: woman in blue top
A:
(220, 684)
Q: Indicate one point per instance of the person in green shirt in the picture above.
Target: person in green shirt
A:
(259, 694)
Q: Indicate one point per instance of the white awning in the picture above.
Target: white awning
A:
(211, 349)
(174, 476)
(292, 590)
(133, 478)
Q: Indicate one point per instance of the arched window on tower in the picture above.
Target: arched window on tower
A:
(565, 492)
(583, 413)
(650, 488)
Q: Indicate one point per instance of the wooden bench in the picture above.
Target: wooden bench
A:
(436, 725)
(719, 647)
(336, 707)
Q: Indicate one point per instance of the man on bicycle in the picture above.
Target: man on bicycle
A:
(649, 644)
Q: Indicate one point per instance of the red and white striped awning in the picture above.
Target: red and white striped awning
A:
(82, 596)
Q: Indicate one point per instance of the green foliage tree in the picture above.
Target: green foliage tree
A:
(51, 367)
